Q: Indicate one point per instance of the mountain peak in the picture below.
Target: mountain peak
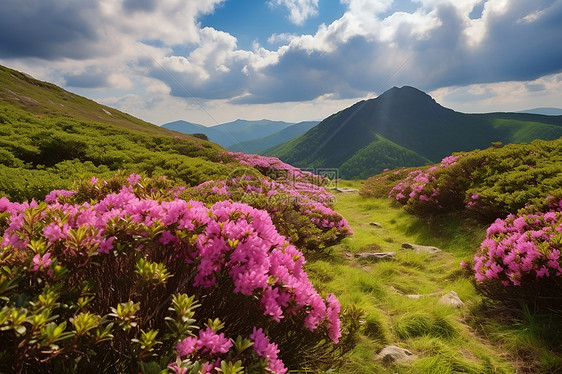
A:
(405, 92)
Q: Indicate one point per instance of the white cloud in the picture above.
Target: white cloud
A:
(299, 10)
(503, 96)
(132, 45)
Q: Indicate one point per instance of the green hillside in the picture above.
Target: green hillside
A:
(413, 120)
(46, 99)
(49, 137)
(379, 155)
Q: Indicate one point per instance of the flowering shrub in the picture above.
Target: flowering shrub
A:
(275, 168)
(487, 184)
(425, 191)
(522, 254)
(104, 282)
(301, 211)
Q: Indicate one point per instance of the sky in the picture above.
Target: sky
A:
(214, 61)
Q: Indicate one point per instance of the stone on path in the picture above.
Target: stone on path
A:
(376, 256)
(343, 189)
(451, 299)
(421, 248)
(392, 353)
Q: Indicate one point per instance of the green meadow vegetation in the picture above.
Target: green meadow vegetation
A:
(50, 139)
(38, 155)
(479, 337)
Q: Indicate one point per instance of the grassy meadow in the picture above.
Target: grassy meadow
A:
(477, 338)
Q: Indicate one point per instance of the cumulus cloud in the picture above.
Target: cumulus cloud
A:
(371, 47)
(49, 29)
(299, 10)
(435, 46)
(503, 96)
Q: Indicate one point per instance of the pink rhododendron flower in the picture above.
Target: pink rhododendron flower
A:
(267, 350)
(187, 346)
(518, 246)
(213, 342)
(41, 262)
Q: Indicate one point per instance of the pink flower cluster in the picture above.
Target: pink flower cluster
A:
(54, 195)
(232, 241)
(208, 342)
(308, 199)
(525, 246)
(414, 187)
(275, 168)
(268, 351)
(449, 161)
(423, 187)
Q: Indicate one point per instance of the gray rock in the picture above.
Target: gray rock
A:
(451, 299)
(392, 353)
(421, 248)
(376, 256)
(343, 189)
(376, 224)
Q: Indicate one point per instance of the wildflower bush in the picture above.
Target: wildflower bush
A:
(297, 201)
(519, 261)
(129, 277)
(303, 213)
(487, 184)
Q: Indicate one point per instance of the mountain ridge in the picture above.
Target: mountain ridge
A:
(229, 133)
(260, 144)
(411, 119)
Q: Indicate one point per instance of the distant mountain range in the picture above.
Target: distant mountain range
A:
(228, 134)
(405, 127)
(260, 144)
(545, 111)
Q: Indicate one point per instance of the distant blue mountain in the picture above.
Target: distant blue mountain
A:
(544, 111)
(260, 144)
(230, 133)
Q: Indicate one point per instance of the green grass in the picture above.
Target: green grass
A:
(446, 340)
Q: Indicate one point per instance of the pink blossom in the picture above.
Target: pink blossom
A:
(40, 263)
(53, 232)
(133, 179)
(54, 195)
(267, 350)
(187, 346)
(213, 342)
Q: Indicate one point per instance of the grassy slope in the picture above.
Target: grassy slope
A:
(43, 98)
(446, 340)
(377, 156)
